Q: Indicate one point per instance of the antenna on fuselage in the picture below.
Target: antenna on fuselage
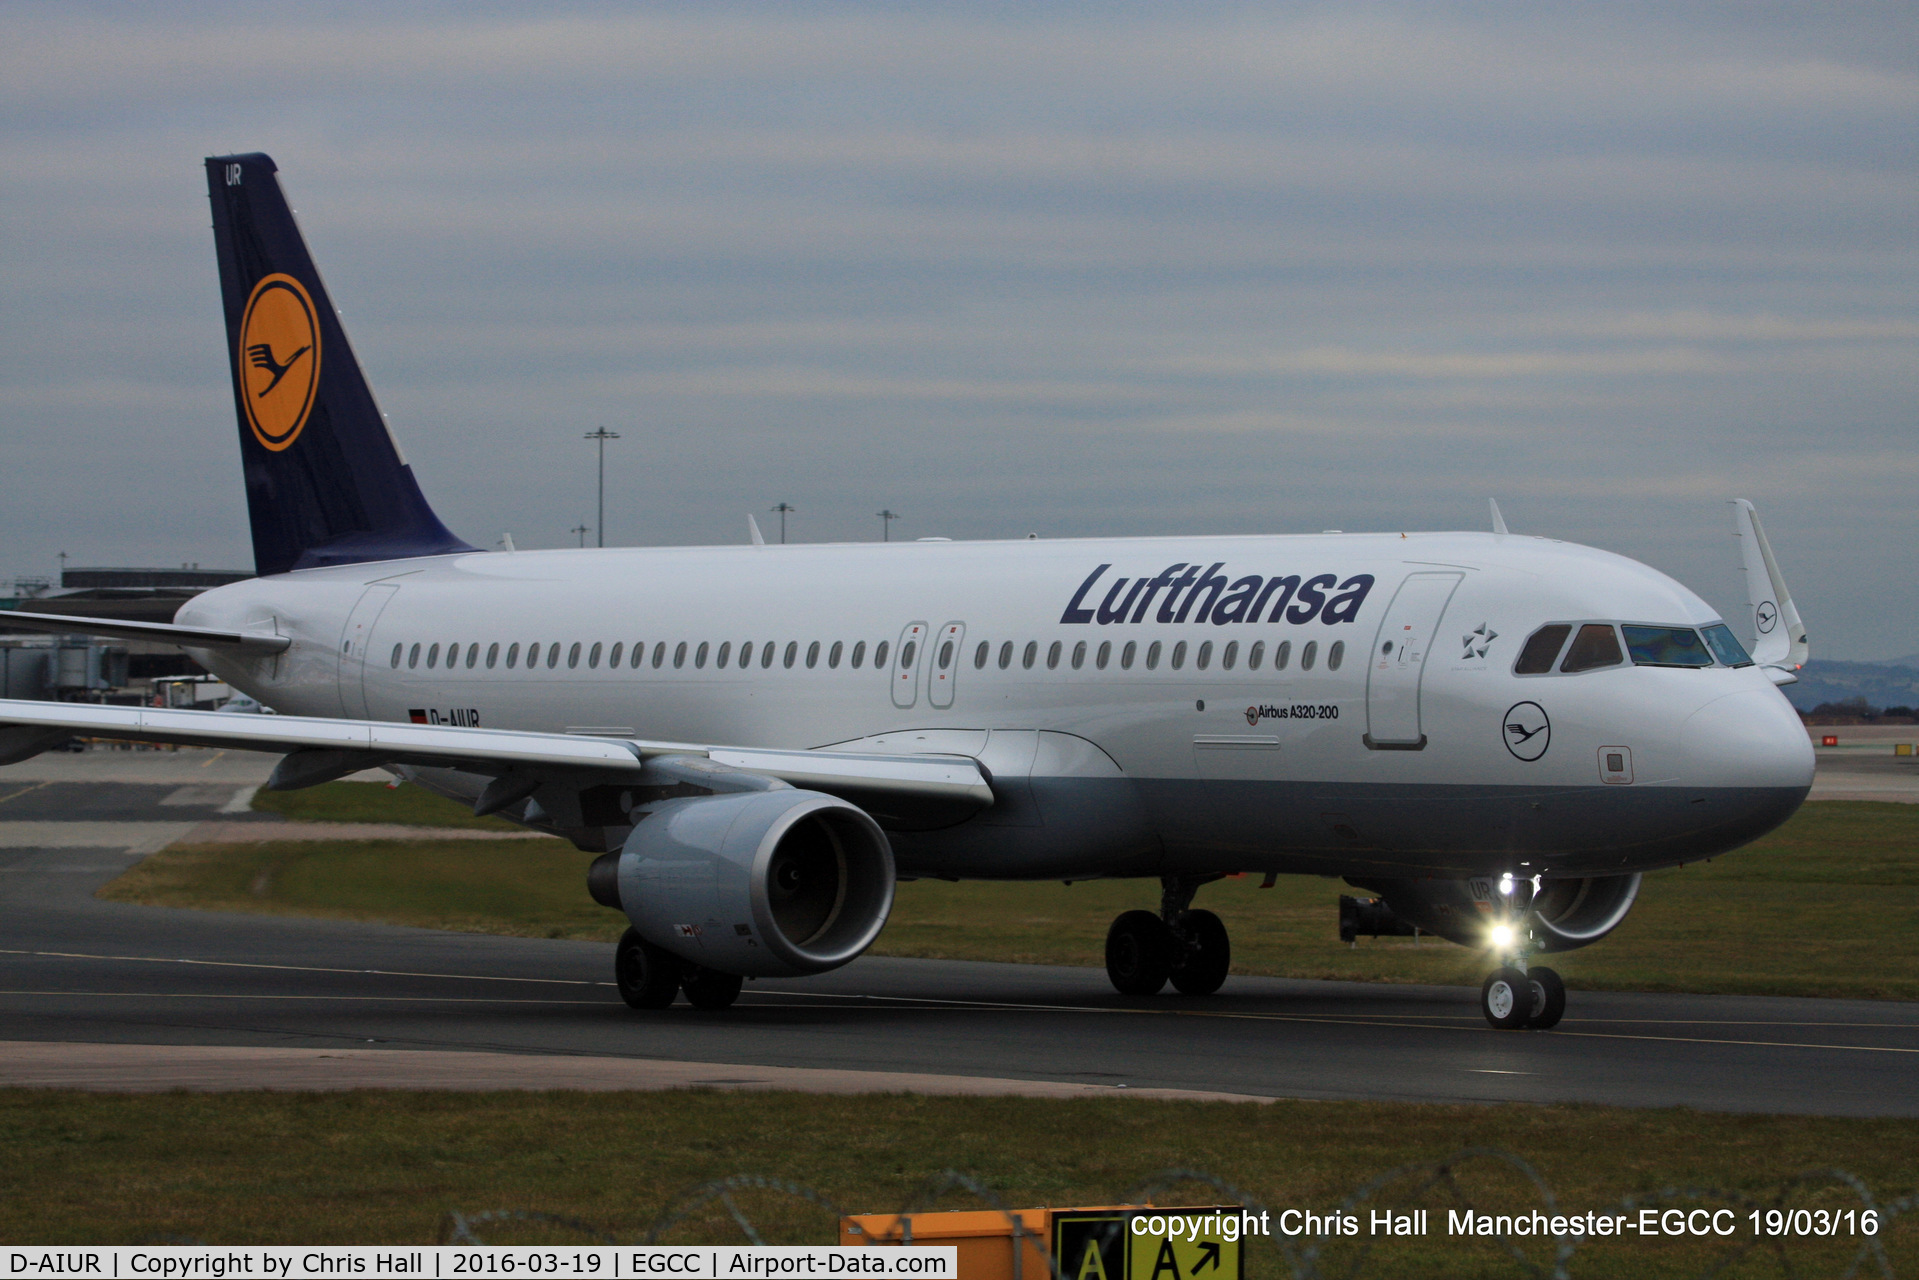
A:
(1499, 521)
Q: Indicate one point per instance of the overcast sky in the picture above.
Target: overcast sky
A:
(1003, 269)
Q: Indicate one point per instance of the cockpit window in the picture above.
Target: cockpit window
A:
(1666, 647)
(1725, 646)
(1536, 659)
(1596, 645)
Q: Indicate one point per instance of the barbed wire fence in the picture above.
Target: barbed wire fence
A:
(1305, 1257)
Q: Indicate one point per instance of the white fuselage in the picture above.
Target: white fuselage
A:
(1354, 756)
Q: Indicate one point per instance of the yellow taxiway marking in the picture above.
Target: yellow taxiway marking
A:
(22, 791)
(301, 968)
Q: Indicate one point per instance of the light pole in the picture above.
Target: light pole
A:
(887, 517)
(581, 530)
(783, 508)
(602, 435)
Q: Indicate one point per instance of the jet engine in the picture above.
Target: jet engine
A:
(1566, 914)
(761, 884)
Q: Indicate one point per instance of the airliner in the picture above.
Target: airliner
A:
(1492, 736)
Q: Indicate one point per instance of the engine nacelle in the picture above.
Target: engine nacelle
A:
(762, 884)
(1566, 915)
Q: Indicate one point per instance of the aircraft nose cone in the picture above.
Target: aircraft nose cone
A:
(1747, 740)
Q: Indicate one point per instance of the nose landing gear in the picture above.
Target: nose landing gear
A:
(1189, 948)
(1518, 995)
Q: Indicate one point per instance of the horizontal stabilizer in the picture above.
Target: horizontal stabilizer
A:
(160, 632)
(1779, 637)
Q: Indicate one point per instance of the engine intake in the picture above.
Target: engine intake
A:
(765, 884)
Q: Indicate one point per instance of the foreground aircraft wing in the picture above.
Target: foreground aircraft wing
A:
(162, 632)
(320, 750)
(1779, 637)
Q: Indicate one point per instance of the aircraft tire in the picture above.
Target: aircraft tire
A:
(1139, 951)
(648, 976)
(1200, 970)
(1506, 999)
(709, 988)
(1549, 998)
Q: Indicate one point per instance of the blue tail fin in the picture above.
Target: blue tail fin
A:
(326, 483)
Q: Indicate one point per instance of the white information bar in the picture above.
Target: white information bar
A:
(620, 1262)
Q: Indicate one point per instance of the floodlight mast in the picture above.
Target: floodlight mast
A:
(602, 435)
(783, 508)
(887, 517)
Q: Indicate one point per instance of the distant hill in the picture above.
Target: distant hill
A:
(1881, 684)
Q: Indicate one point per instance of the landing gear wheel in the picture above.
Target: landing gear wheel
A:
(1549, 998)
(1507, 999)
(1202, 953)
(709, 988)
(1139, 953)
(648, 976)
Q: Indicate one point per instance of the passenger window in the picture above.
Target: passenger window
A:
(699, 656)
(908, 652)
(834, 654)
(1204, 658)
(679, 655)
(396, 654)
(1596, 645)
(472, 655)
(1536, 658)
(639, 653)
(1031, 653)
(946, 655)
(1052, 656)
(1179, 656)
(879, 655)
(1006, 655)
(767, 653)
(659, 655)
(725, 653)
(573, 656)
(593, 657)
(1658, 647)
(553, 654)
(1105, 654)
(432, 657)
(613, 658)
(746, 655)
(792, 654)
(980, 655)
(1255, 655)
(1307, 655)
(413, 657)
(1079, 655)
(1228, 658)
(492, 655)
(1282, 655)
(512, 656)
(859, 654)
(1336, 655)
(1126, 655)
(812, 655)
(1152, 656)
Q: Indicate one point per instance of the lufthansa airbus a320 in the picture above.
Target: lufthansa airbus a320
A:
(1492, 735)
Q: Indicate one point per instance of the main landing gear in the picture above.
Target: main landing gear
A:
(649, 977)
(1518, 995)
(1189, 948)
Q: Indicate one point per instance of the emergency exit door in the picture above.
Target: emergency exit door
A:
(1400, 651)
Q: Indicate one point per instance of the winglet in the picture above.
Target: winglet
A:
(1499, 521)
(1779, 637)
(753, 528)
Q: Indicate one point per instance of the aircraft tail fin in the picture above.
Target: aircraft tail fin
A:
(326, 482)
(1779, 637)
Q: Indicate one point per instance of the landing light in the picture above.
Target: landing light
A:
(1506, 884)
(1502, 935)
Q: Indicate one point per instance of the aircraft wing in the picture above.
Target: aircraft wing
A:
(320, 750)
(162, 632)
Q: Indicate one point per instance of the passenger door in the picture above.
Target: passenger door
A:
(1398, 662)
(356, 640)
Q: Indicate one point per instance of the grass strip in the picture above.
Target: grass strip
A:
(1828, 905)
(379, 1168)
(374, 802)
